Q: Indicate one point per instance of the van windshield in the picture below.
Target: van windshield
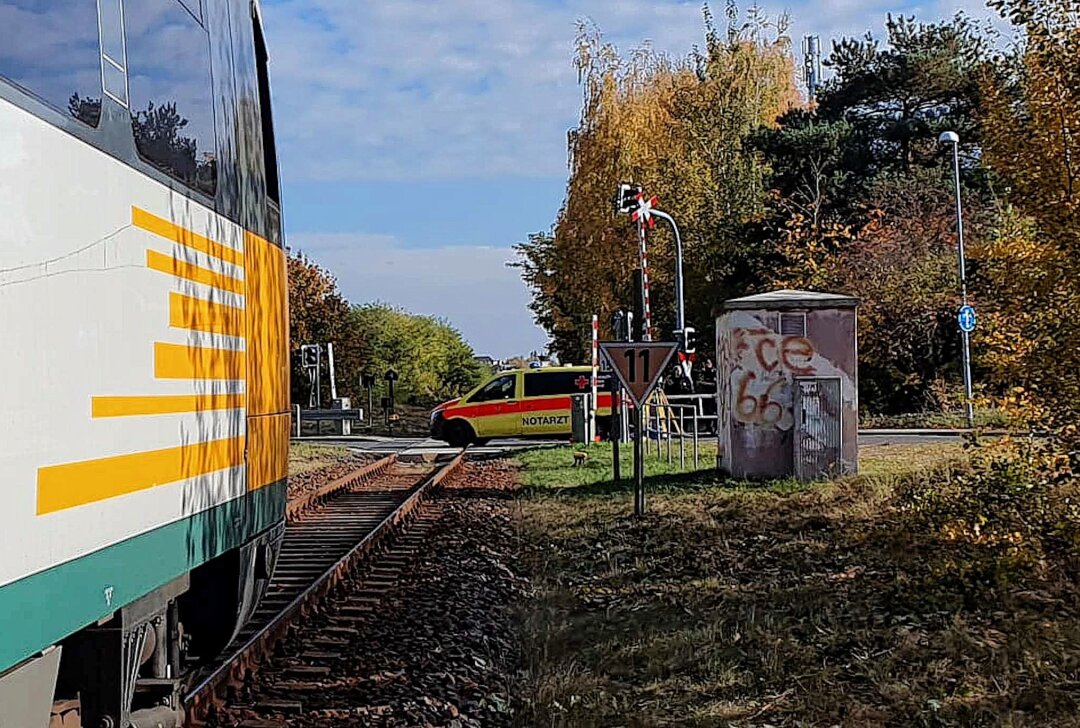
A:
(501, 388)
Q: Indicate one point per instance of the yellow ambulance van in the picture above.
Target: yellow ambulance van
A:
(526, 403)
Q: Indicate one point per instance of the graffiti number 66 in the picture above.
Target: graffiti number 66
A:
(762, 409)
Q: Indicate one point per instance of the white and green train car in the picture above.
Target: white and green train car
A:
(145, 409)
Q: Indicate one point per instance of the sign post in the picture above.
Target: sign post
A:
(616, 429)
(638, 367)
(390, 377)
(965, 317)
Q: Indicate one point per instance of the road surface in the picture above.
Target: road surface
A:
(410, 446)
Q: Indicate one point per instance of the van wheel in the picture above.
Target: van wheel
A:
(459, 434)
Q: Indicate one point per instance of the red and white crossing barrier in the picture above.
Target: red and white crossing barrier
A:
(644, 218)
(593, 435)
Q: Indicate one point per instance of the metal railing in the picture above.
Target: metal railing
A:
(667, 423)
(347, 417)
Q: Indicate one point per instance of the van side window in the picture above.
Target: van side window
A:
(496, 389)
(550, 384)
(51, 50)
(172, 105)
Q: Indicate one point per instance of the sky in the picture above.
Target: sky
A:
(420, 139)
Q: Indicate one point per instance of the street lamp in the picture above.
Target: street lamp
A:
(966, 317)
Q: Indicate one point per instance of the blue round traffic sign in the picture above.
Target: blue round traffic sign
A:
(966, 318)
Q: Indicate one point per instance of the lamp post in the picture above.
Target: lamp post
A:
(951, 137)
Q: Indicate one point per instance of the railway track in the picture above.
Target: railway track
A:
(330, 532)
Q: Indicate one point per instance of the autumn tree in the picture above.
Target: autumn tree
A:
(902, 265)
(861, 199)
(432, 360)
(677, 126)
(319, 314)
(1032, 118)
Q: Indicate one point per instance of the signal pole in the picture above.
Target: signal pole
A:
(616, 405)
(680, 309)
(310, 357)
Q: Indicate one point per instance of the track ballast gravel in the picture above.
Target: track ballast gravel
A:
(301, 484)
(436, 648)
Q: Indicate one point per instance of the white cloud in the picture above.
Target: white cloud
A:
(471, 286)
(430, 89)
(421, 90)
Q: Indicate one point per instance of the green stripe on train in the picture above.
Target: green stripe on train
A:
(43, 608)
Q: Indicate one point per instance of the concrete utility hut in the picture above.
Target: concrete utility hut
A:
(787, 385)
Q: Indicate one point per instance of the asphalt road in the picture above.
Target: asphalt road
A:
(422, 445)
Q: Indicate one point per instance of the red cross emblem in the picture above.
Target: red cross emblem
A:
(582, 382)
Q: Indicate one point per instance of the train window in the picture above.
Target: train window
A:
(273, 189)
(51, 51)
(194, 7)
(113, 57)
(172, 108)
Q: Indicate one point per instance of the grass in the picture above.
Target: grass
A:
(903, 459)
(784, 604)
(552, 469)
(985, 418)
(551, 472)
(305, 457)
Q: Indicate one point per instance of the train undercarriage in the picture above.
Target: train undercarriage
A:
(130, 670)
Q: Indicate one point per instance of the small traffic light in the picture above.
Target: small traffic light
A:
(367, 381)
(309, 355)
(618, 323)
(625, 199)
(689, 340)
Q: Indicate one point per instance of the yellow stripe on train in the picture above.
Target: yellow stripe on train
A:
(76, 484)
(161, 227)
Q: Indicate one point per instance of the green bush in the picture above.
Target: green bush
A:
(1017, 508)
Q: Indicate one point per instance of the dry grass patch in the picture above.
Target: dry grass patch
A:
(781, 604)
(306, 457)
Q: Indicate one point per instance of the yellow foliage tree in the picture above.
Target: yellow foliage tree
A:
(676, 127)
(1031, 270)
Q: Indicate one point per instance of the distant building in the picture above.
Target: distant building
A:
(485, 360)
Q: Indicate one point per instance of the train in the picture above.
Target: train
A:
(143, 281)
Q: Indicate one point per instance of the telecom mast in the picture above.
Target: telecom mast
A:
(812, 64)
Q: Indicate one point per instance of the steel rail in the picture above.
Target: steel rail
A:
(203, 696)
(295, 508)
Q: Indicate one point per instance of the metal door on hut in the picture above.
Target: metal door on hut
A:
(817, 427)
